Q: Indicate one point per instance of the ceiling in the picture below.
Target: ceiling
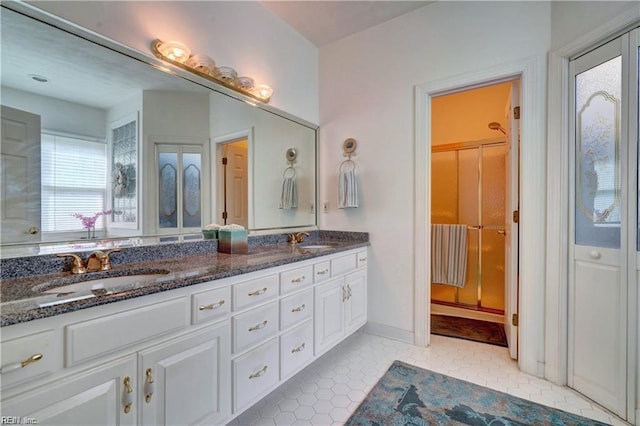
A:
(323, 22)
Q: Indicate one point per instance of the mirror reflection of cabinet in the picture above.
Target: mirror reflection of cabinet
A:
(96, 90)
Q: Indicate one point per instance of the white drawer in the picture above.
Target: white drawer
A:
(296, 309)
(97, 337)
(361, 259)
(321, 271)
(343, 264)
(255, 326)
(210, 305)
(254, 373)
(295, 279)
(28, 357)
(296, 349)
(252, 292)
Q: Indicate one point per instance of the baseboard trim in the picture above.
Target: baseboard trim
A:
(389, 332)
(438, 309)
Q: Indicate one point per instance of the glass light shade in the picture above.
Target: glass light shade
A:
(263, 91)
(201, 63)
(175, 51)
(244, 83)
(226, 74)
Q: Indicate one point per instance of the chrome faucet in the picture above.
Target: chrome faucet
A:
(97, 261)
(296, 238)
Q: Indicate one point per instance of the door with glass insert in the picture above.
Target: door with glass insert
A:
(181, 183)
(603, 191)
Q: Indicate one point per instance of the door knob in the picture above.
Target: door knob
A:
(33, 230)
(594, 254)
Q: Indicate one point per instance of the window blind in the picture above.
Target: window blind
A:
(74, 180)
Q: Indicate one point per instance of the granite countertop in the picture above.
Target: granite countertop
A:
(21, 303)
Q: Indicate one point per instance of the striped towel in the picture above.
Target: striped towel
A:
(347, 190)
(449, 254)
(289, 195)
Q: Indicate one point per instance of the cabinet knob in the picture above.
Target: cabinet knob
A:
(22, 364)
(150, 385)
(259, 372)
(298, 349)
(128, 395)
(263, 324)
(258, 292)
(299, 308)
(211, 306)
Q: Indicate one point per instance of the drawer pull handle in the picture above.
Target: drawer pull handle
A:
(211, 306)
(297, 280)
(299, 308)
(263, 324)
(258, 373)
(128, 395)
(258, 292)
(363, 259)
(324, 271)
(19, 365)
(150, 385)
(298, 349)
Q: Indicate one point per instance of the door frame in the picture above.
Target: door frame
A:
(216, 175)
(557, 260)
(531, 72)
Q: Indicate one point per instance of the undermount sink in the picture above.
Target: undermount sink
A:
(98, 286)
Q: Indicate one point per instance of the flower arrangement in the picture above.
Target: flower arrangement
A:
(89, 222)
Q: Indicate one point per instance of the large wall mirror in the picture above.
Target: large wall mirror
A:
(100, 143)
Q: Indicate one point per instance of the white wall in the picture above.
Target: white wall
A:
(572, 19)
(58, 115)
(367, 92)
(242, 35)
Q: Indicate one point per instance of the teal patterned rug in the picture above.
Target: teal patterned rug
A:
(409, 395)
(469, 329)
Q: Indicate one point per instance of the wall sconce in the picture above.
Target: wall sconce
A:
(178, 54)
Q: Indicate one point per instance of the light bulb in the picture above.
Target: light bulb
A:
(263, 91)
(175, 51)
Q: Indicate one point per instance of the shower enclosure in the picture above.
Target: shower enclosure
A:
(468, 187)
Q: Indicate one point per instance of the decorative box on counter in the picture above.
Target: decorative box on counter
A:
(232, 239)
(210, 232)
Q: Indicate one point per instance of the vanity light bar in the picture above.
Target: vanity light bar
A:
(180, 58)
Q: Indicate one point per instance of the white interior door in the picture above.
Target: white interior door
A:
(20, 180)
(598, 278)
(512, 181)
(237, 183)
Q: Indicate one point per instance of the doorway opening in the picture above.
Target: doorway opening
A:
(474, 206)
(232, 159)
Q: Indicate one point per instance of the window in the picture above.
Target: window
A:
(74, 180)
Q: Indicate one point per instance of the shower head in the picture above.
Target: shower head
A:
(496, 126)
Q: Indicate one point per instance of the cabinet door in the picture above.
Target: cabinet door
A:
(186, 380)
(355, 307)
(94, 397)
(329, 314)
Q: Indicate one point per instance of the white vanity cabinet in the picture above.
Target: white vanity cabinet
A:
(340, 305)
(104, 395)
(134, 362)
(184, 381)
(200, 354)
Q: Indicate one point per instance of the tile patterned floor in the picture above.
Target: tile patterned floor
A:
(329, 390)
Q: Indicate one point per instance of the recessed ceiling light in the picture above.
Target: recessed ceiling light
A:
(39, 78)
